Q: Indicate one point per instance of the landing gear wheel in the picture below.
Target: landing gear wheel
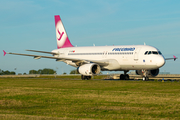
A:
(124, 77)
(145, 78)
(88, 77)
(82, 77)
(85, 77)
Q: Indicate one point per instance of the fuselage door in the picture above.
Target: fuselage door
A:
(136, 54)
(105, 53)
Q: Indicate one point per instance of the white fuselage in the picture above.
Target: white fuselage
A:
(129, 57)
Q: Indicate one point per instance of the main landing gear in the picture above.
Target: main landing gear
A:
(124, 76)
(83, 77)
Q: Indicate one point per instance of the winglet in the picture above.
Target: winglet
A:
(4, 52)
(174, 57)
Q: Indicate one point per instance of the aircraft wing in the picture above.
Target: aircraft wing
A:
(43, 52)
(174, 57)
(35, 56)
(75, 60)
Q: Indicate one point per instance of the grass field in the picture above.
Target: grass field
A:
(53, 99)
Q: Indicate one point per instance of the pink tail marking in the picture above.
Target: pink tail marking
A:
(4, 52)
(67, 42)
(57, 19)
(174, 57)
(61, 34)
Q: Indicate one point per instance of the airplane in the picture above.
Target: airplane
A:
(89, 61)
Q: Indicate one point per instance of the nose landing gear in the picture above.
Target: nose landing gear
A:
(145, 77)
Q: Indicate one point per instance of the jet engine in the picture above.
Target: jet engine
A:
(89, 69)
(149, 73)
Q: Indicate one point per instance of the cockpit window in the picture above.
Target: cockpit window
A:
(146, 52)
(149, 52)
(153, 52)
(159, 52)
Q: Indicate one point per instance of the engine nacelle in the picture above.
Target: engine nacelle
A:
(89, 69)
(149, 73)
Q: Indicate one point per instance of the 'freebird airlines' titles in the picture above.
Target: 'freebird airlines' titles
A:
(124, 49)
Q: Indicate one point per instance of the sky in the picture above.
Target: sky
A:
(29, 24)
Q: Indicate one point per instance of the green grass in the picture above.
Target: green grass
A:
(47, 99)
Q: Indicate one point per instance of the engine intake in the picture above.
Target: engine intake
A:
(89, 69)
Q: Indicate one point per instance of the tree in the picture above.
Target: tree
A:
(74, 72)
(33, 72)
(12, 73)
(7, 72)
(0, 72)
(48, 71)
(42, 71)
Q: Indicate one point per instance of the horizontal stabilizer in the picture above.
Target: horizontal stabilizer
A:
(4, 52)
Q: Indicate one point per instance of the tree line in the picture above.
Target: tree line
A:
(40, 71)
(2, 72)
(43, 71)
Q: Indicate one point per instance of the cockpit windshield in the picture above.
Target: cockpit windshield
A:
(153, 52)
(146, 52)
(149, 52)
(159, 52)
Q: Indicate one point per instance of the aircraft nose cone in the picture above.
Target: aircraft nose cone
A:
(160, 61)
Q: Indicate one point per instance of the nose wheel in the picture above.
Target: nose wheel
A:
(145, 78)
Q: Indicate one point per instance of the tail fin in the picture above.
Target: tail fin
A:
(61, 36)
